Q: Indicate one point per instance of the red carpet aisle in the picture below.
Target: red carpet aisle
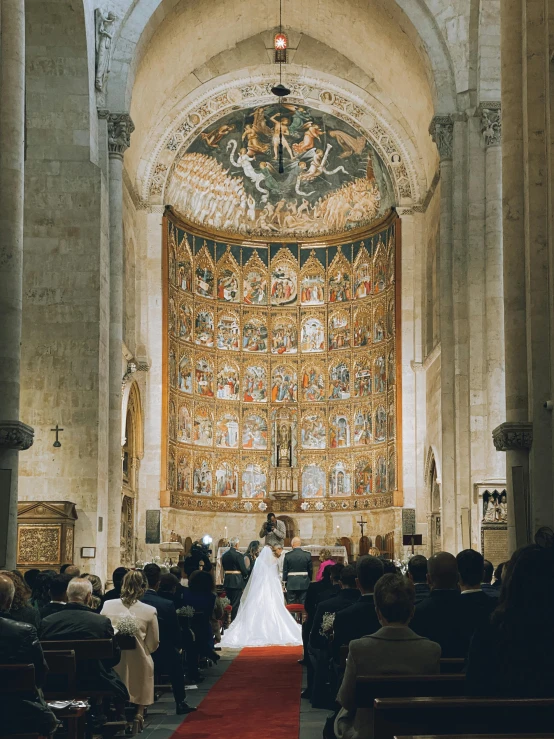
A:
(259, 695)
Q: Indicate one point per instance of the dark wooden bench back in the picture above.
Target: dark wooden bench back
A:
(394, 717)
(17, 679)
(449, 665)
(370, 687)
(61, 680)
(84, 649)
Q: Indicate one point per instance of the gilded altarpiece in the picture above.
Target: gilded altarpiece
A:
(45, 534)
(281, 371)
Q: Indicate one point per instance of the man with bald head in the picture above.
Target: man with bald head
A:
(297, 572)
(439, 617)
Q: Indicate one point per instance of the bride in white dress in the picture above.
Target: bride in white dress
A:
(262, 619)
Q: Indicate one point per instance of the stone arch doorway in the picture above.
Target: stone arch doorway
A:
(434, 497)
(132, 453)
(291, 529)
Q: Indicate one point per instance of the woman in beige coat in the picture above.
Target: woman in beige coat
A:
(136, 667)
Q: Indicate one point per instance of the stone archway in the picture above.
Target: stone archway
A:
(132, 453)
(434, 504)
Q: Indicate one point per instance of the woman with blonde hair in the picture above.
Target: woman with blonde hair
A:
(131, 617)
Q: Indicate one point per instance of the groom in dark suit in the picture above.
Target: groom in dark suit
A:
(235, 575)
(297, 572)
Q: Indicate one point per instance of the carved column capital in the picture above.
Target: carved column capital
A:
(491, 122)
(512, 436)
(442, 133)
(16, 435)
(120, 128)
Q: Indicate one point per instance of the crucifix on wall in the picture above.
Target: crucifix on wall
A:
(361, 523)
(57, 443)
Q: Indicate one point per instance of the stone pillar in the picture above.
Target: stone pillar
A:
(442, 131)
(14, 435)
(494, 285)
(120, 127)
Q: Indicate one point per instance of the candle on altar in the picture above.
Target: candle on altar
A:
(225, 537)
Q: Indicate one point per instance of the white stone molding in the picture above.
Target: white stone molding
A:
(428, 361)
(491, 122)
(120, 128)
(513, 435)
(202, 109)
(442, 133)
(104, 23)
(16, 435)
(430, 458)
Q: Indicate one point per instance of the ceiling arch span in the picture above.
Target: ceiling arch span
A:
(391, 139)
(416, 24)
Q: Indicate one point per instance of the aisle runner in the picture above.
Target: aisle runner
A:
(258, 696)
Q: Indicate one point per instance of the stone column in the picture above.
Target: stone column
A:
(14, 435)
(494, 285)
(442, 131)
(120, 127)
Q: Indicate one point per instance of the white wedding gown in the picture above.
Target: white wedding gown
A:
(262, 619)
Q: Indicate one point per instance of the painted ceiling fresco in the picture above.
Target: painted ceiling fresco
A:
(228, 178)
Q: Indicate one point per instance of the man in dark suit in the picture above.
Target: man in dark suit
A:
(360, 618)
(167, 658)
(19, 645)
(486, 585)
(117, 579)
(477, 606)
(297, 572)
(439, 617)
(417, 572)
(236, 574)
(75, 622)
(58, 595)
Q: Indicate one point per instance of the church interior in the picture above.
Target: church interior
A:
(274, 257)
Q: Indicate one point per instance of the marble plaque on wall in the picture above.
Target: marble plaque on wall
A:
(494, 544)
(408, 521)
(152, 527)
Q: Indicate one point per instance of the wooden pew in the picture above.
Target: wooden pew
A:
(370, 687)
(62, 666)
(449, 665)
(482, 736)
(18, 681)
(393, 717)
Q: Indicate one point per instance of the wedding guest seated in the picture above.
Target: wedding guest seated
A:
(388, 566)
(97, 592)
(360, 618)
(167, 590)
(77, 622)
(486, 584)
(21, 608)
(40, 595)
(19, 645)
(439, 617)
(315, 590)
(30, 577)
(326, 560)
(513, 654)
(70, 569)
(167, 659)
(178, 575)
(497, 584)
(417, 572)
(58, 595)
(135, 667)
(117, 579)
(392, 650)
(545, 537)
(477, 606)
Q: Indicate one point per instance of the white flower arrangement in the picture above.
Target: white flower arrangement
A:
(187, 611)
(262, 506)
(128, 626)
(225, 602)
(327, 623)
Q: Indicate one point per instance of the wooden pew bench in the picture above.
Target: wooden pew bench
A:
(370, 687)
(394, 717)
(61, 684)
(449, 665)
(18, 681)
